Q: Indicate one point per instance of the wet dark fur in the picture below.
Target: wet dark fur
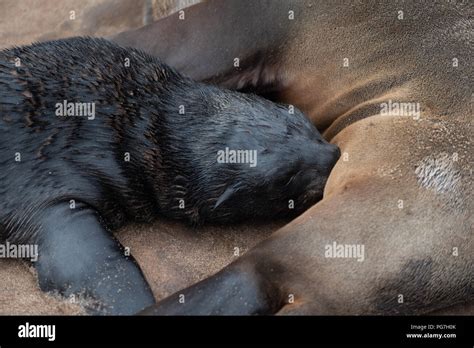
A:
(172, 156)
(136, 112)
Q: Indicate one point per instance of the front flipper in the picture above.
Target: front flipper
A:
(239, 289)
(77, 256)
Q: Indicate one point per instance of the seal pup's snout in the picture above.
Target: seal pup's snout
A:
(324, 157)
(333, 153)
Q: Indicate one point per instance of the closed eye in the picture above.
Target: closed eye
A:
(292, 178)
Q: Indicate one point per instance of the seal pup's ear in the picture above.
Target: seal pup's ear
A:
(227, 194)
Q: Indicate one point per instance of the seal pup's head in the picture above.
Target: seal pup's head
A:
(239, 157)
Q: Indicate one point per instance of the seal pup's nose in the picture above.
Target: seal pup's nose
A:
(336, 152)
(328, 155)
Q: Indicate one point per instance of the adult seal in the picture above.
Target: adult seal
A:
(391, 84)
(93, 136)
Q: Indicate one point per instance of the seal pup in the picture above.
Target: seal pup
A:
(93, 136)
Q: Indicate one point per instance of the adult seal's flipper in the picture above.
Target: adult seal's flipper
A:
(237, 290)
(248, 62)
